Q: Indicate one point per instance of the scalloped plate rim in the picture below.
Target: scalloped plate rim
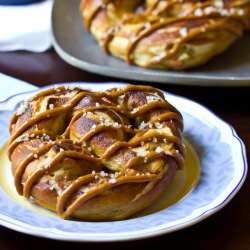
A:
(54, 233)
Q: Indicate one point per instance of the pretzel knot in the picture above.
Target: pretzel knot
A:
(95, 155)
(165, 34)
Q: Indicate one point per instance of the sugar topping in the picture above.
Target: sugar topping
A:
(112, 181)
(158, 150)
(142, 125)
(219, 4)
(154, 140)
(198, 12)
(51, 106)
(140, 148)
(183, 31)
(22, 108)
(153, 98)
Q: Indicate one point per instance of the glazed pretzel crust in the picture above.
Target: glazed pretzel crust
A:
(95, 155)
(165, 34)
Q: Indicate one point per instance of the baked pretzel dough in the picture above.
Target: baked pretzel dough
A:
(95, 156)
(165, 34)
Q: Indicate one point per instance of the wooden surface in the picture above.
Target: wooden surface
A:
(227, 229)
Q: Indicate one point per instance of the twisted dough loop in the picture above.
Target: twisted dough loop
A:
(95, 155)
(166, 34)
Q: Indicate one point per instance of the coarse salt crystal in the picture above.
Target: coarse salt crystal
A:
(47, 137)
(219, 4)
(158, 150)
(102, 174)
(240, 12)
(142, 153)
(158, 125)
(116, 124)
(154, 140)
(153, 98)
(232, 11)
(168, 153)
(142, 125)
(51, 106)
(198, 12)
(112, 181)
(22, 108)
(135, 110)
(183, 31)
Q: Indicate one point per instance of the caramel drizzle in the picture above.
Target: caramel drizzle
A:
(52, 91)
(48, 168)
(100, 5)
(178, 42)
(192, 34)
(145, 31)
(86, 196)
(167, 117)
(18, 136)
(46, 114)
(166, 8)
(30, 135)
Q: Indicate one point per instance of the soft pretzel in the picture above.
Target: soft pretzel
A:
(95, 155)
(166, 34)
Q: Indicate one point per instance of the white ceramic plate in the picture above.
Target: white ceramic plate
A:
(78, 48)
(223, 170)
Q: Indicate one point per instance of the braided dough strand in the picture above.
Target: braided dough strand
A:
(166, 34)
(95, 155)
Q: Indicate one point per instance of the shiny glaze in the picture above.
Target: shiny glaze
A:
(214, 21)
(22, 135)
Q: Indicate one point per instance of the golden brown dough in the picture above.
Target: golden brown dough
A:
(95, 155)
(166, 34)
